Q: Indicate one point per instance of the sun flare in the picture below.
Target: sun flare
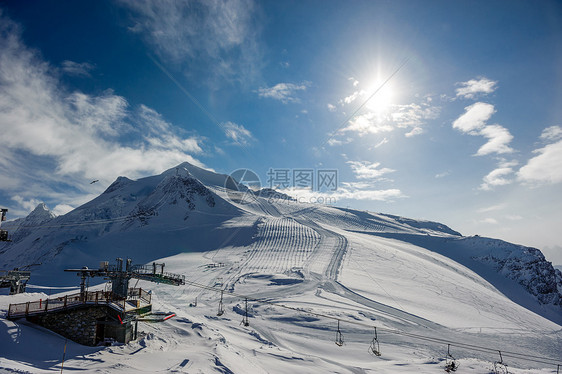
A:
(383, 97)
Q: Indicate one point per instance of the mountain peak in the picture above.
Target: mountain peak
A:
(205, 176)
(40, 214)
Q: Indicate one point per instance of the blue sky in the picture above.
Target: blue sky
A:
(467, 130)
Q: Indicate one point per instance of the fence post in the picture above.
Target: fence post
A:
(27, 308)
(46, 304)
(65, 296)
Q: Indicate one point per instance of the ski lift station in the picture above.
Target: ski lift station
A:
(92, 317)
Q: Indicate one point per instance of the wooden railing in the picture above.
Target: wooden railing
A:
(77, 299)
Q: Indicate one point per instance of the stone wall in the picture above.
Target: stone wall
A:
(78, 324)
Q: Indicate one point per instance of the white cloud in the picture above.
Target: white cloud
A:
(552, 133)
(497, 177)
(545, 168)
(411, 116)
(474, 118)
(238, 133)
(78, 69)
(472, 88)
(382, 142)
(367, 170)
(368, 123)
(498, 140)
(473, 122)
(414, 115)
(221, 34)
(51, 138)
(351, 98)
(415, 131)
(284, 92)
(162, 135)
(331, 107)
(442, 175)
(347, 192)
(489, 221)
(28, 205)
(492, 208)
(103, 114)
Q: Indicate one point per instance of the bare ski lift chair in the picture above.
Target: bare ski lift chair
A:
(374, 348)
(499, 366)
(339, 335)
(450, 362)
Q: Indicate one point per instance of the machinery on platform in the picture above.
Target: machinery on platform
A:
(120, 277)
(15, 279)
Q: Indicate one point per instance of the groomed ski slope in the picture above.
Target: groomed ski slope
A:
(329, 264)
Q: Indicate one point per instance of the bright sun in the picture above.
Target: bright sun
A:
(383, 99)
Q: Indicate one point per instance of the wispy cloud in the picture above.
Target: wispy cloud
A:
(473, 122)
(497, 177)
(354, 96)
(238, 133)
(492, 208)
(79, 69)
(220, 34)
(394, 116)
(489, 221)
(381, 143)
(500, 176)
(367, 123)
(51, 138)
(475, 87)
(368, 170)
(414, 116)
(346, 192)
(334, 142)
(284, 92)
(552, 133)
(443, 174)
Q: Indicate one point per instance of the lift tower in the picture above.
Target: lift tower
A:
(3, 233)
(120, 277)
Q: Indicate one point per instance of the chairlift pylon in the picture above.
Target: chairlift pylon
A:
(374, 348)
(450, 362)
(339, 336)
(499, 366)
(245, 320)
(221, 307)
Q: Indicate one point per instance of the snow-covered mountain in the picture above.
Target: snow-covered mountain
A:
(396, 272)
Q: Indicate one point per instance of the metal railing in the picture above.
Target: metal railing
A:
(73, 300)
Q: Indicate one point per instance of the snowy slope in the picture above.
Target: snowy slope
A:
(303, 267)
